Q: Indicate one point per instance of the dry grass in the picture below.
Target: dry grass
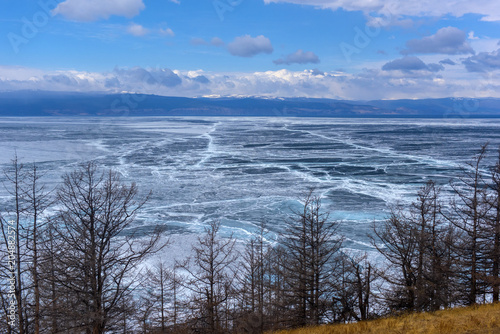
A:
(467, 320)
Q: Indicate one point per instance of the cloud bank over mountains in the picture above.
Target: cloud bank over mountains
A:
(408, 77)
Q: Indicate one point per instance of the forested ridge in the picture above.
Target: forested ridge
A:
(69, 262)
(68, 104)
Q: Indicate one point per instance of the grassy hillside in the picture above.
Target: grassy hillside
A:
(470, 320)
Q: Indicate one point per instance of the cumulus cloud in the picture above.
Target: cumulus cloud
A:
(317, 72)
(62, 79)
(449, 40)
(387, 12)
(483, 62)
(248, 46)
(298, 57)
(471, 35)
(409, 64)
(137, 30)
(93, 10)
(201, 79)
(150, 77)
(447, 61)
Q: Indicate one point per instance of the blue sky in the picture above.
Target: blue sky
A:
(344, 49)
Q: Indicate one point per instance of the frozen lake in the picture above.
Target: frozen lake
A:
(246, 170)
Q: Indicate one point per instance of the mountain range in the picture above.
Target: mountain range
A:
(42, 103)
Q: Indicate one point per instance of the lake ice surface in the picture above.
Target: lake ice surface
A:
(242, 171)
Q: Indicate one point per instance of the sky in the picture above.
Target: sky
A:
(339, 49)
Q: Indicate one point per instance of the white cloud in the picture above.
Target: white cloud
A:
(137, 30)
(298, 57)
(483, 62)
(93, 10)
(449, 40)
(391, 9)
(484, 44)
(447, 61)
(19, 73)
(471, 35)
(248, 46)
(167, 32)
(411, 65)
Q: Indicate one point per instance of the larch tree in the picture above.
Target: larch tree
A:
(161, 297)
(210, 276)
(433, 268)
(397, 241)
(418, 248)
(38, 199)
(14, 237)
(493, 231)
(255, 291)
(97, 252)
(470, 210)
(311, 244)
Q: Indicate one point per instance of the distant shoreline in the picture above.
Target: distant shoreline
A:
(43, 104)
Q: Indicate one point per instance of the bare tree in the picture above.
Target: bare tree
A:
(255, 292)
(396, 240)
(469, 214)
(362, 276)
(39, 199)
(161, 299)
(343, 305)
(418, 247)
(50, 291)
(96, 252)
(311, 244)
(279, 312)
(493, 231)
(211, 280)
(434, 263)
(14, 237)
(144, 313)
